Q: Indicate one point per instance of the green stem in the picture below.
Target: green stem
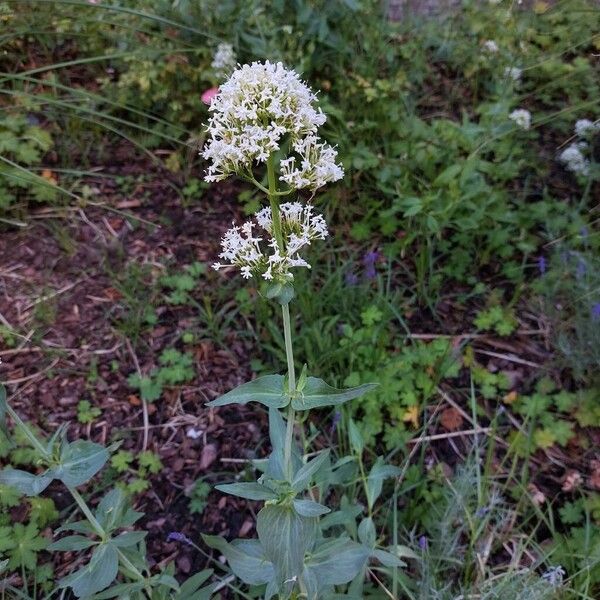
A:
(28, 433)
(85, 509)
(291, 417)
(275, 216)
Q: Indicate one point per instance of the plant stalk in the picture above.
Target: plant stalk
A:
(291, 417)
(275, 215)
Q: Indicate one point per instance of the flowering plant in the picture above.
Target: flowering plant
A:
(265, 110)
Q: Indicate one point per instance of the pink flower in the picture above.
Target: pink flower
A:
(209, 94)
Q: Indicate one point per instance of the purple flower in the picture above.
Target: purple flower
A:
(584, 232)
(176, 536)
(337, 417)
(596, 312)
(581, 269)
(482, 511)
(369, 261)
(423, 542)
(542, 265)
(351, 279)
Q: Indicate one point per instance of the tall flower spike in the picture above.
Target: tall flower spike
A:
(256, 256)
(255, 108)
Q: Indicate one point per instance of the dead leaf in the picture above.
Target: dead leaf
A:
(594, 479)
(208, 456)
(510, 398)
(48, 175)
(412, 416)
(573, 480)
(451, 419)
(537, 496)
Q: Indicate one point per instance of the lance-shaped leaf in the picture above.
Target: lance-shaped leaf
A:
(268, 390)
(245, 557)
(72, 542)
(98, 574)
(309, 508)
(317, 393)
(79, 462)
(24, 482)
(303, 477)
(250, 491)
(286, 537)
(378, 473)
(337, 561)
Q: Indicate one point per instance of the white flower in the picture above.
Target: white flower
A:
(521, 117)
(316, 165)
(585, 127)
(263, 257)
(554, 576)
(255, 108)
(513, 73)
(574, 160)
(224, 60)
(490, 46)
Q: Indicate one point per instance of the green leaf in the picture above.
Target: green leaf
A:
(98, 574)
(125, 590)
(378, 473)
(26, 483)
(71, 542)
(246, 559)
(286, 537)
(356, 439)
(250, 491)
(27, 542)
(80, 461)
(387, 558)
(129, 538)
(267, 390)
(337, 561)
(303, 477)
(317, 393)
(308, 508)
(111, 509)
(366, 532)
(191, 585)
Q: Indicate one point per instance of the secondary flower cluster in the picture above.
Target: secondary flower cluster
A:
(521, 117)
(262, 256)
(224, 60)
(257, 109)
(573, 156)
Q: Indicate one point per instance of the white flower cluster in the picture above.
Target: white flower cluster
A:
(490, 46)
(255, 109)
(574, 160)
(299, 227)
(573, 156)
(521, 117)
(513, 73)
(586, 128)
(316, 165)
(224, 60)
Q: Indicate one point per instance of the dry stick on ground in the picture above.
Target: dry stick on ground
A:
(144, 403)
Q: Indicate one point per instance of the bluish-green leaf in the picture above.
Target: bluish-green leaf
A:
(356, 439)
(125, 590)
(129, 538)
(71, 542)
(250, 491)
(285, 537)
(191, 587)
(317, 393)
(97, 575)
(246, 559)
(24, 482)
(308, 508)
(267, 390)
(111, 509)
(303, 477)
(80, 461)
(387, 558)
(338, 561)
(378, 473)
(366, 532)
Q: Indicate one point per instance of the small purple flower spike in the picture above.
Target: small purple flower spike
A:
(423, 542)
(176, 536)
(369, 260)
(337, 417)
(351, 279)
(581, 269)
(596, 312)
(542, 265)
